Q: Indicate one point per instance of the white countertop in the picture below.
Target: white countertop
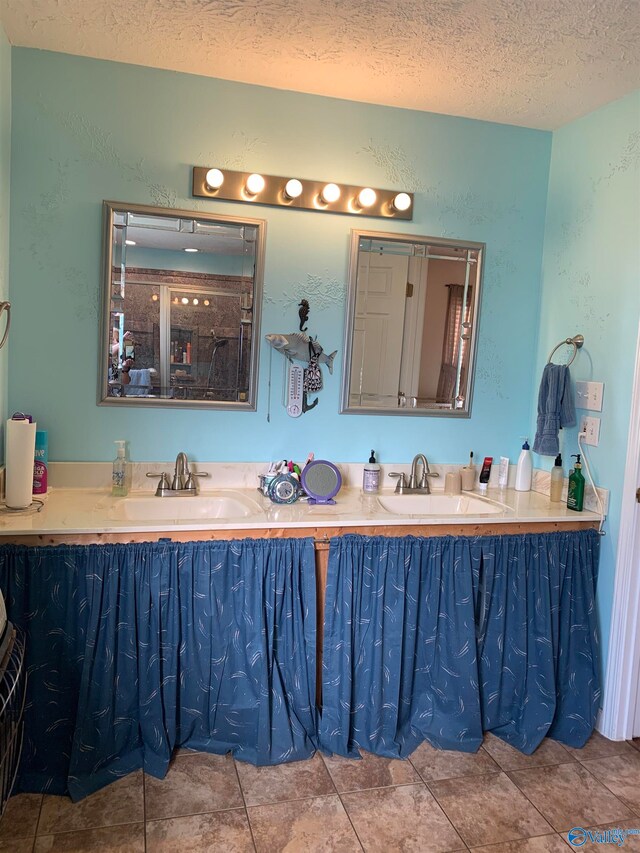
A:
(85, 510)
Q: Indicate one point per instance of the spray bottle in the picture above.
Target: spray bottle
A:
(119, 478)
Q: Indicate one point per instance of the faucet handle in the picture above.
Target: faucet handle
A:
(163, 485)
(190, 484)
(402, 482)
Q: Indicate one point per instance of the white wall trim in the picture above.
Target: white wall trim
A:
(622, 683)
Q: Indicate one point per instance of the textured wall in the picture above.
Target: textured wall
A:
(85, 130)
(590, 285)
(5, 176)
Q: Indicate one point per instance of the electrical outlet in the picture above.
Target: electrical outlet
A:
(589, 395)
(590, 426)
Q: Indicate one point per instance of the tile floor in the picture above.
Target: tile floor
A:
(497, 801)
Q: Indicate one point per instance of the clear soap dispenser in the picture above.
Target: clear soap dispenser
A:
(119, 477)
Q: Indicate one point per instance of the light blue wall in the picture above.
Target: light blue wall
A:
(5, 179)
(591, 285)
(85, 130)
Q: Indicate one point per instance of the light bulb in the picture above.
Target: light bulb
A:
(155, 297)
(206, 302)
(214, 179)
(130, 242)
(255, 184)
(191, 250)
(293, 188)
(402, 202)
(185, 301)
(196, 301)
(367, 197)
(330, 193)
(175, 300)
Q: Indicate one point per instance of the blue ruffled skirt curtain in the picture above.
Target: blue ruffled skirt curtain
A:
(399, 655)
(135, 649)
(442, 638)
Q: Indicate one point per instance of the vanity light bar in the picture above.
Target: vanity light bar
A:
(321, 196)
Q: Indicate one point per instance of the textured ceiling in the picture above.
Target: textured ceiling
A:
(538, 63)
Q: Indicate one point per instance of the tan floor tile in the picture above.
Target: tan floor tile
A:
(112, 839)
(318, 825)
(568, 796)
(405, 818)
(228, 831)
(292, 781)
(600, 747)
(635, 742)
(372, 771)
(20, 817)
(120, 802)
(541, 844)
(433, 764)
(17, 845)
(621, 774)
(631, 842)
(509, 758)
(194, 784)
(488, 809)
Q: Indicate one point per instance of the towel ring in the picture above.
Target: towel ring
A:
(576, 342)
(5, 306)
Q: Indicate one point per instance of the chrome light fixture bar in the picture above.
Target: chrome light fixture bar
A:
(301, 194)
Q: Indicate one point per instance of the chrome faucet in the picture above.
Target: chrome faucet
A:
(183, 483)
(414, 485)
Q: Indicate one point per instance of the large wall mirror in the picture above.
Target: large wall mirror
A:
(182, 293)
(412, 319)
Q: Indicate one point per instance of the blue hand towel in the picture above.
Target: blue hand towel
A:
(555, 408)
(140, 383)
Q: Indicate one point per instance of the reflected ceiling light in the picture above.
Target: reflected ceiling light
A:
(206, 302)
(185, 301)
(191, 250)
(130, 242)
(214, 179)
(217, 185)
(367, 197)
(255, 184)
(330, 193)
(155, 297)
(176, 300)
(402, 202)
(196, 301)
(293, 189)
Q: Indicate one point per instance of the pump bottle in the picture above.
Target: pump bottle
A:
(119, 477)
(575, 495)
(371, 475)
(557, 480)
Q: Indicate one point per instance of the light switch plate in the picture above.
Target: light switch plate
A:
(589, 395)
(590, 426)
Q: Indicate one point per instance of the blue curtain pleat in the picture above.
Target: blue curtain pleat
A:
(136, 649)
(442, 638)
(399, 656)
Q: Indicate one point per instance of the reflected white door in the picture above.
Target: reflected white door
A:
(378, 329)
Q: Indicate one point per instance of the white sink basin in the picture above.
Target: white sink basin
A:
(440, 505)
(217, 506)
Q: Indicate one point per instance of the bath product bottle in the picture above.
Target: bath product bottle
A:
(371, 475)
(119, 478)
(524, 471)
(40, 463)
(575, 495)
(557, 480)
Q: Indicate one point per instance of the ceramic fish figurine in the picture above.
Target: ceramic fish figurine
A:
(296, 347)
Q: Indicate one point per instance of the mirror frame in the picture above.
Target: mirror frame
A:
(356, 236)
(251, 404)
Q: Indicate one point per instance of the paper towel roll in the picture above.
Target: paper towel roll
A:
(19, 452)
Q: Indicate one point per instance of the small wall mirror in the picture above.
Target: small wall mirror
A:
(412, 317)
(182, 293)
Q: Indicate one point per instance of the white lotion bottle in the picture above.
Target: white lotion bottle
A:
(119, 478)
(371, 476)
(524, 471)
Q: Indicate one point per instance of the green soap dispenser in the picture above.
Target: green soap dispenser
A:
(575, 495)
